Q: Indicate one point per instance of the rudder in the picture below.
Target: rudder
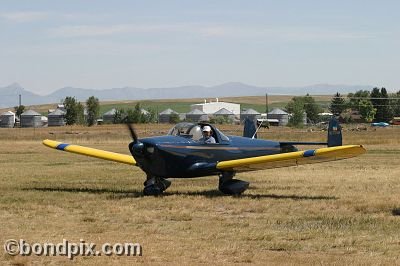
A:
(334, 133)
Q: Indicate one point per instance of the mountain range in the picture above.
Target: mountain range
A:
(9, 94)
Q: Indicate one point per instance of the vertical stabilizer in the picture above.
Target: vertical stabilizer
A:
(250, 129)
(334, 133)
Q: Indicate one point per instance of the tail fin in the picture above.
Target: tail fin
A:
(249, 128)
(334, 133)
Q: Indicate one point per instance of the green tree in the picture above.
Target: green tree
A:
(311, 108)
(387, 112)
(220, 120)
(367, 110)
(356, 98)
(74, 111)
(380, 101)
(151, 116)
(297, 113)
(174, 118)
(93, 109)
(19, 110)
(119, 116)
(80, 114)
(307, 104)
(136, 115)
(338, 104)
(70, 105)
(395, 103)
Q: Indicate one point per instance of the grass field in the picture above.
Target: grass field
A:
(332, 213)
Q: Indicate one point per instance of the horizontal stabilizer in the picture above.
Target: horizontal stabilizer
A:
(100, 154)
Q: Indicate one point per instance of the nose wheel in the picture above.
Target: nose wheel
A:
(155, 186)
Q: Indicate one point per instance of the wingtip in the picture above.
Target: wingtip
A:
(50, 143)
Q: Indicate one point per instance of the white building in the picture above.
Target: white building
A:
(214, 106)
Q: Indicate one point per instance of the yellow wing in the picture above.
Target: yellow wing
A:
(105, 155)
(292, 158)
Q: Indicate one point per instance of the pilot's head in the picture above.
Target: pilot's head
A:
(207, 131)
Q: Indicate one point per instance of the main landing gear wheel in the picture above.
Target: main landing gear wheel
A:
(155, 186)
(230, 186)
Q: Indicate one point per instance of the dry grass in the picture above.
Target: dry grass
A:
(333, 213)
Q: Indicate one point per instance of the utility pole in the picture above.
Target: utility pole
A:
(266, 103)
(19, 100)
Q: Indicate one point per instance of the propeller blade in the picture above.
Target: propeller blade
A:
(133, 132)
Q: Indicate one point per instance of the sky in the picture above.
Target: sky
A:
(46, 45)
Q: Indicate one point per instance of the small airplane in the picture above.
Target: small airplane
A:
(181, 154)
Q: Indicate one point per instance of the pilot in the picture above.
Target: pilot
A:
(207, 135)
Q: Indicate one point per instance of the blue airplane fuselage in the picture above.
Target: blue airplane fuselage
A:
(180, 157)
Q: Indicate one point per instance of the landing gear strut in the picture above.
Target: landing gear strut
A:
(230, 186)
(155, 186)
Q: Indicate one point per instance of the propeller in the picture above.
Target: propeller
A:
(133, 133)
(136, 147)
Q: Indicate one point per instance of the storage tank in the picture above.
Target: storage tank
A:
(196, 116)
(31, 118)
(165, 116)
(56, 118)
(7, 119)
(250, 114)
(108, 117)
(279, 114)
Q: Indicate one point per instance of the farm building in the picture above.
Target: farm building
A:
(108, 117)
(31, 118)
(212, 107)
(56, 118)
(279, 114)
(249, 113)
(7, 119)
(165, 116)
(196, 116)
(224, 113)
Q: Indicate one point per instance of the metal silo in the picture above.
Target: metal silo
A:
(249, 113)
(7, 119)
(56, 118)
(196, 116)
(164, 116)
(108, 117)
(279, 114)
(31, 118)
(223, 112)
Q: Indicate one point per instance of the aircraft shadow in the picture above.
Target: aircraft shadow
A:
(120, 194)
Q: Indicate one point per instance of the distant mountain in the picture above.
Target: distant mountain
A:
(9, 94)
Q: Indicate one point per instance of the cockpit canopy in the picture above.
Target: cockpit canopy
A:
(194, 131)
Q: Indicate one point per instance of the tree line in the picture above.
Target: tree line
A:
(75, 113)
(373, 106)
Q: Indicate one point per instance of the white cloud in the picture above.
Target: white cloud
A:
(92, 31)
(214, 31)
(21, 17)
